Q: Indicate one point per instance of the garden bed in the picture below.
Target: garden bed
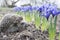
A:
(31, 33)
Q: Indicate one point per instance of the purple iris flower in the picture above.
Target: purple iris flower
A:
(48, 9)
(55, 12)
(46, 14)
(30, 8)
(35, 7)
(17, 9)
(44, 11)
(41, 9)
(23, 9)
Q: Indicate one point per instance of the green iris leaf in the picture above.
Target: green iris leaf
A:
(52, 29)
(28, 17)
(37, 20)
(45, 24)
